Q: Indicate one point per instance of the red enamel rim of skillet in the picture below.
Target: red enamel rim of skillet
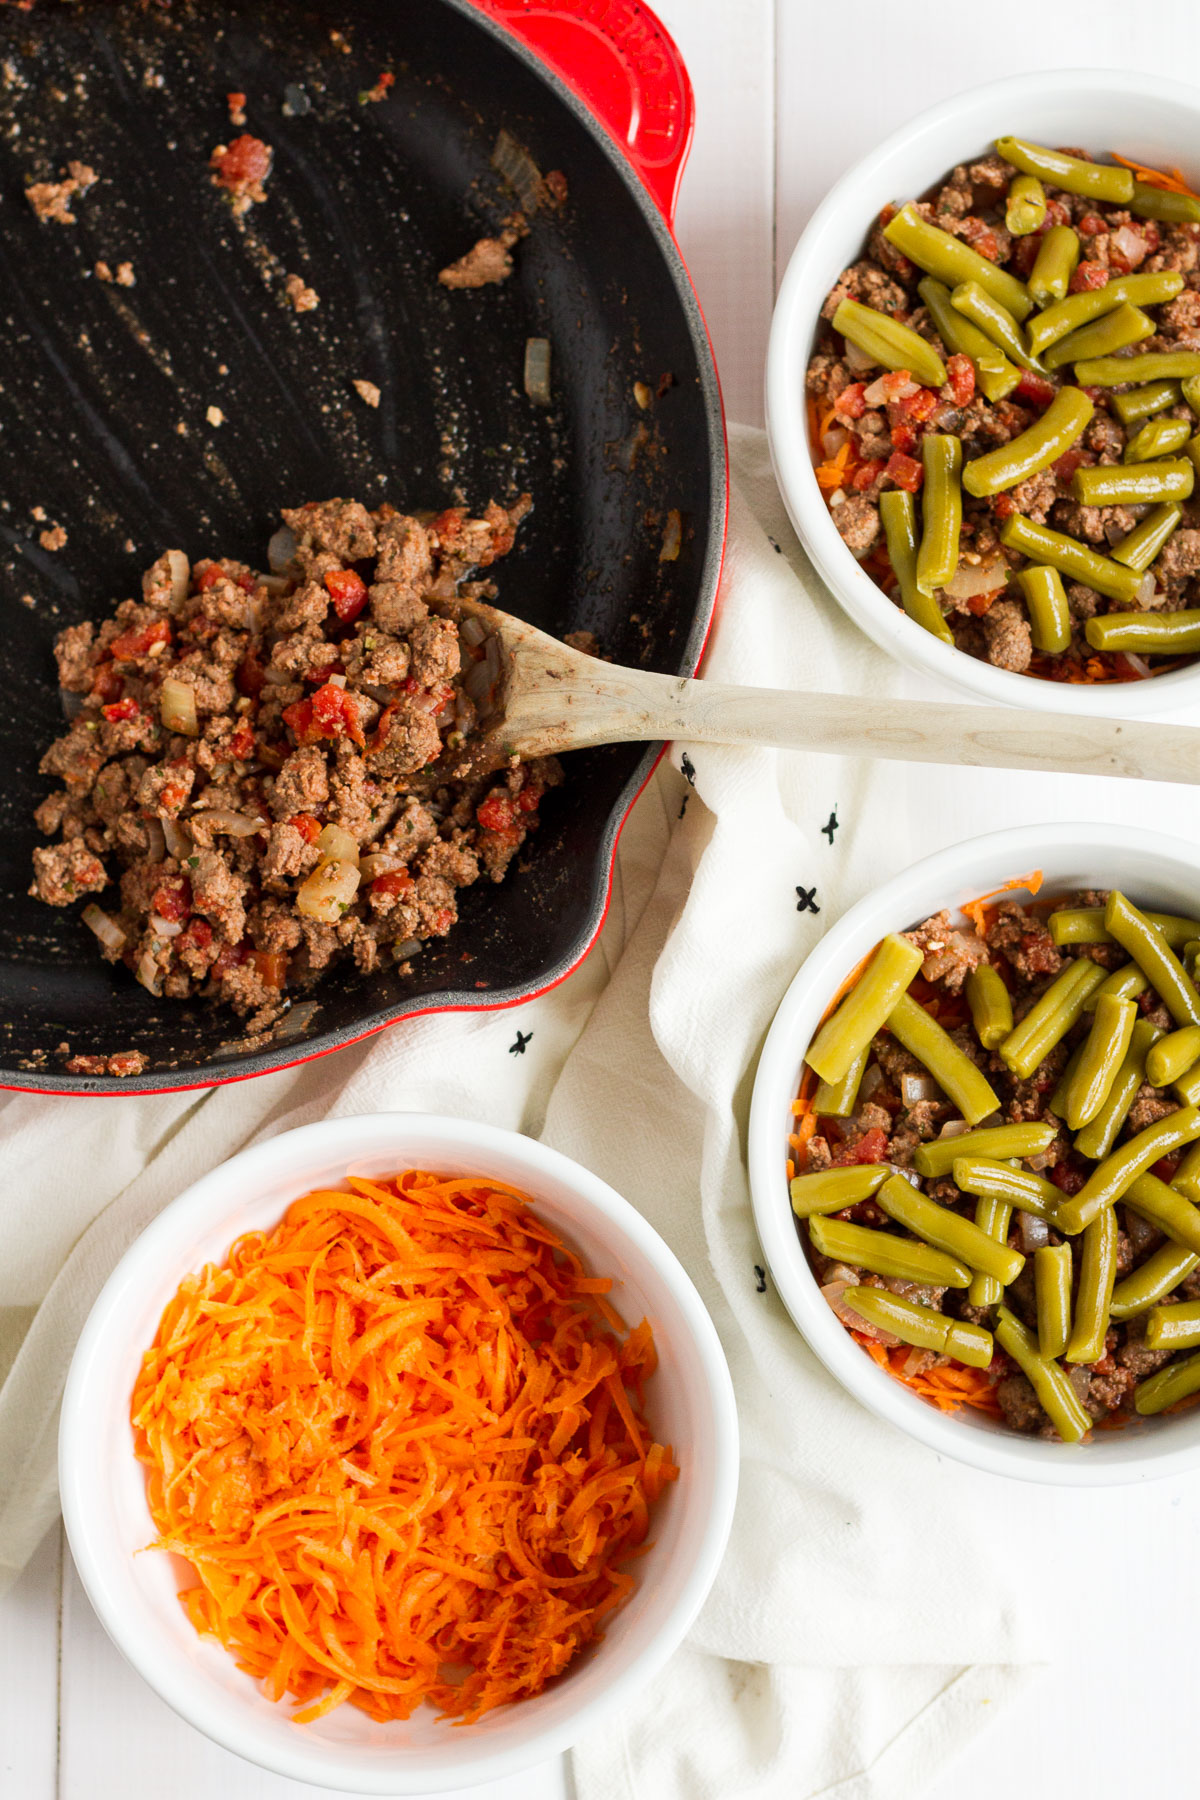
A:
(619, 68)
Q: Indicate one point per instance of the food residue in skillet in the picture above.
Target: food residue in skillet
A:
(51, 200)
(241, 168)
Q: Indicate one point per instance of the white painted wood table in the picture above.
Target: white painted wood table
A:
(789, 95)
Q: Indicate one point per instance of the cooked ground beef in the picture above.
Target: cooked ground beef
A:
(256, 760)
(871, 438)
(489, 261)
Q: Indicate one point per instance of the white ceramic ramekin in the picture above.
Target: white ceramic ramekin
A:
(689, 1399)
(1161, 872)
(1142, 116)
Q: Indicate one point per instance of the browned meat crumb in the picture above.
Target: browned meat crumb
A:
(214, 415)
(368, 391)
(122, 1062)
(303, 298)
(53, 538)
(240, 168)
(487, 261)
(51, 200)
(237, 108)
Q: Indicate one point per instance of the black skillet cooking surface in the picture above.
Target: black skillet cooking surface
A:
(106, 391)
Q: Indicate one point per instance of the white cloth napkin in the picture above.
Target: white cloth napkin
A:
(875, 1599)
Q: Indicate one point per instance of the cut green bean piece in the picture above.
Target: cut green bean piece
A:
(1050, 1017)
(998, 1141)
(1139, 403)
(1085, 925)
(1174, 1327)
(1046, 604)
(1117, 1173)
(1190, 389)
(1057, 258)
(881, 1253)
(1152, 1281)
(958, 1077)
(888, 342)
(1186, 1178)
(941, 511)
(994, 1218)
(990, 1004)
(1058, 1098)
(1025, 208)
(864, 1008)
(838, 1099)
(1192, 451)
(829, 1190)
(1157, 437)
(1104, 1051)
(1066, 554)
(1138, 549)
(1173, 1056)
(1113, 331)
(1035, 449)
(1146, 634)
(1187, 1085)
(1154, 956)
(1155, 1200)
(1097, 1274)
(1127, 983)
(995, 322)
(921, 1326)
(1099, 181)
(1098, 1137)
(898, 512)
(1052, 1287)
(1048, 1378)
(947, 1230)
(1164, 204)
(1071, 314)
(1172, 1384)
(991, 1179)
(1134, 484)
(950, 260)
(1153, 365)
(995, 376)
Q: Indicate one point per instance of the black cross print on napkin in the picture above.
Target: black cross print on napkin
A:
(806, 900)
(523, 1038)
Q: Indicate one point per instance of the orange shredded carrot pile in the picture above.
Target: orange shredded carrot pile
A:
(834, 471)
(400, 1440)
(982, 916)
(1170, 179)
(948, 1386)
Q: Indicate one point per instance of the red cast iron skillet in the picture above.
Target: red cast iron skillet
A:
(104, 392)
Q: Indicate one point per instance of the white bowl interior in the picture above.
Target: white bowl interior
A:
(689, 1402)
(1143, 117)
(1160, 872)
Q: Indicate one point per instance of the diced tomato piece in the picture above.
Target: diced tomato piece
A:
(918, 407)
(1089, 275)
(960, 372)
(330, 713)
(241, 744)
(870, 1148)
(172, 899)
(981, 603)
(1066, 466)
(172, 797)
(1025, 253)
(140, 642)
(120, 709)
(198, 933)
(496, 813)
(1091, 225)
(893, 382)
(235, 102)
(108, 685)
(905, 471)
(271, 967)
(1035, 388)
(866, 473)
(443, 919)
(448, 525)
(383, 727)
(904, 438)
(529, 798)
(397, 882)
(247, 159)
(317, 676)
(1003, 506)
(1066, 1178)
(981, 237)
(232, 956)
(1057, 213)
(246, 582)
(250, 676)
(308, 827)
(850, 403)
(209, 577)
(348, 591)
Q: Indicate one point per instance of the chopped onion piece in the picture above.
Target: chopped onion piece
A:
(379, 862)
(72, 704)
(672, 537)
(858, 360)
(148, 974)
(328, 891)
(1138, 664)
(910, 1175)
(178, 839)
(473, 631)
(334, 842)
(518, 167)
(297, 1019)
(832, 1292)
(1042, 1160)
(1146, 592)
(408, 948)
(164, 928)
(537, 370)
(886, 389)
(105, 928)
(181, 575)
(918, 1087)
(833, 439)
(338, 681)
(953, 1128)
(233, 824)
(177, 703)
(872, 1080)
(281, 549)
(970, 579)
(156, 840)
(1035, 1233)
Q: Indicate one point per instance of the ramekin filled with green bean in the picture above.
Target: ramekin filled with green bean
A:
(975, 1153)
(984, 392)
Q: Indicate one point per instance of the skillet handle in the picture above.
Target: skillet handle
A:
(620, 60)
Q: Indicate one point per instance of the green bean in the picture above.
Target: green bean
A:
(1174, 1327)
(1140, 402)
(830, 1190)
(1104, 1051)
(1048, 1378)
(1097, 1274)
(1146, 634)
(1077, 310)
(920, 1325)
(1099, 181)
(938, 1158)
(1052, 1286)
(898, 512)
(1157, 437)
(991, 1179)
(1058, 254)
(1153, 365)
(994, 1218)
(1168, 1387)
(996, 322)
(941, 511)
(1025, 207)
(952, 261)
(882, 1254)
(1138, 549)
(888, 342)
(1187, 1085)
(1085, 925)
(1187, 1176)
(1066, 554)
(947, 1230)
(1190, 389)
(1058, 1097)
(1173, 1056)
(1045, 441)
(1158, 1276)
(838, 1099)
(842, 1037)
(1127, 983)
(1050, 1018)
(1192, 451)
(1163, 204)
(995, 376)
(1155, 1200)
(951, 1068)
(1098, 1137)
(1154, 956)
(990, 1004)
(1113, 1178)
(1113, 331)
(1134, 484)
(1046, 604)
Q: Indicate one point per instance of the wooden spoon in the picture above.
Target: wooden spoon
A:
(555, 698)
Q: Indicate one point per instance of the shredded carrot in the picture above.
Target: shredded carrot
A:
(1170, 179)
(949, 1386)
(977, 910)
(400, 1441)
(832, 472)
